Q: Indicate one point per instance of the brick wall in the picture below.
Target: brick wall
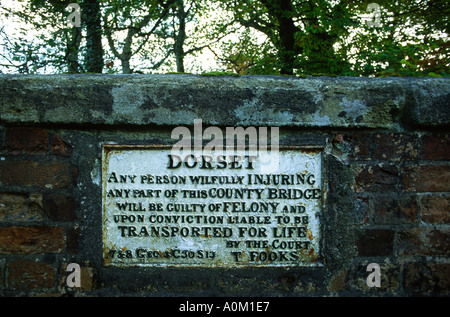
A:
(50, 202)
(402, 182)
(38, 230)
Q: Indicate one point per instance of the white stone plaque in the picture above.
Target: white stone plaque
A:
(160, 209)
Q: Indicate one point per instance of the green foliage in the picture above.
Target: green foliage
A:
(55, 46)
(266, 37)
(214, 74)
(408, 42)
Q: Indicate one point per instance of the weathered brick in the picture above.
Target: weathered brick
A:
(361, 149)
(357, 146)
(87, 277)
(338, 282)
(376, 178)
(375, 242)
(59, 147)
(27, 275)
(427, 278)
(426, 178)
(2, 273)
(389, 278)
(43, 174)
(435, 209)
(361, 210)
(60, 207)
(395, 210)
(2, 138)
(395, 147)
(73, 239)
(436, 147)
(26, 141)
(29, 240)
(424, 242)
(20, 207)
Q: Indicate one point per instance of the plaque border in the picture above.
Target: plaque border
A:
(106, 148)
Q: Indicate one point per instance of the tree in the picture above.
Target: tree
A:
(411, 40)
(55, 44)
(331, 38)
(59, 43)
(300, 31)
(94, 48)
(189, 30)
(180, 36)
(290, 37)
(250, 55)
(136, 22)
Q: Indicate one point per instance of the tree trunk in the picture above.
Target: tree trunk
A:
(282, 10)
(126, 69)
(94, 49)
(72, 50)
(180, 37)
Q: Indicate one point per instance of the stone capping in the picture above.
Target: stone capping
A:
(174, 99)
